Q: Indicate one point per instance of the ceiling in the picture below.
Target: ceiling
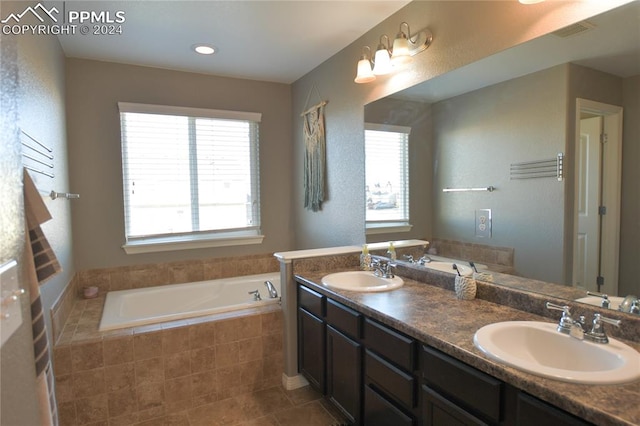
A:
(278, 41)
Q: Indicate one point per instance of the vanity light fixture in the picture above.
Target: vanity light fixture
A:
(204, 49)
(387, 59)
(365, 73)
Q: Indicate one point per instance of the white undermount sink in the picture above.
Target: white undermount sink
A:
(538, 348)
(364, 281)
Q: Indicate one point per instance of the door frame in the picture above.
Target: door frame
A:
(610, 244)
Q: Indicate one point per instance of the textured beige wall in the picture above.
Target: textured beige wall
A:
(93, 91)
(36, 90)
(478, 136)
(463, 33)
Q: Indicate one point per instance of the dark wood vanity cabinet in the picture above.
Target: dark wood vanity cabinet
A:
(311, 337)
(378, 376)
(329, 351)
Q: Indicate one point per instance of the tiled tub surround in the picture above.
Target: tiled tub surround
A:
(431, 313)
(178, 372)
(171, 372)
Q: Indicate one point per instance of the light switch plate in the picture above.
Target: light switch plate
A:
(10, 303)
(483, 223)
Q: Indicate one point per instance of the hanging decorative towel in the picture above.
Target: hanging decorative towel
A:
(314, 157)
(40, 264)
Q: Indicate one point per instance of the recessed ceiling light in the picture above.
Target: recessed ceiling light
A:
(204, 49)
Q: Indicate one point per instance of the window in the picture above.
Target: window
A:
(190, 177)
(387, 178)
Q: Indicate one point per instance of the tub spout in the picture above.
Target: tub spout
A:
(273, 293)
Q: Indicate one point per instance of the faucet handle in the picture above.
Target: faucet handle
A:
(597, 333)
(605, 298)
(566, 322)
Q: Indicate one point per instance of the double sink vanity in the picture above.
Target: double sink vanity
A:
(403, 350)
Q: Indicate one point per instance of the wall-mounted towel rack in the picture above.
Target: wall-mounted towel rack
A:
(552, 167)
(36, 156)
(486, 188)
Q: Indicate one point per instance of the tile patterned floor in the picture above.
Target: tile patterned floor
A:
(269, 407)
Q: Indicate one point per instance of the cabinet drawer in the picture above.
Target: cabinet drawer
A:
(470, 388)
(344, 319)
(390, 344)
(439, 411)
(379, 411)
(392, 380)
(311, 301)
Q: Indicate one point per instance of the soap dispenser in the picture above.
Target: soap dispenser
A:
(391, 252)
(365, 259)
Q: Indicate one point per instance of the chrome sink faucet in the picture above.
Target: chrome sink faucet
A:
(575, 328)
(383, 268)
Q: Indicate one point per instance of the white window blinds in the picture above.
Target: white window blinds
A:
(189, 172)
(387, 173)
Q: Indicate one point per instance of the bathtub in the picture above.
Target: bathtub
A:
(151, 305)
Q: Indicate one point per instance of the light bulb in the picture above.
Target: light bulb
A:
(382, 62)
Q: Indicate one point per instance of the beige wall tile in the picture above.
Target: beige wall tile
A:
(175, 340)
(203, 359)
(250, 349)
(149, 395)
(62, 360)
(147, 345)
(67, 413)
(117, 350)
(204, 383)
(202, 335)
(64, 388)
(227, 354)
(123, 405)
(238, 328)
(87, 356)
(93, 409)
(119, 376)
(177, 365)
(178, 389)
(88, 383)
(149, 371)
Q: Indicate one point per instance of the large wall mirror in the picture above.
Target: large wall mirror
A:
(501, 123)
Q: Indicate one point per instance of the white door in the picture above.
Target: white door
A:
(597, 196)
(586, 255)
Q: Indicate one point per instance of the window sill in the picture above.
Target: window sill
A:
(153, 245)
(387, 228)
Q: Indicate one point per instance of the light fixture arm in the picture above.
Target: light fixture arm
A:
(417, 42)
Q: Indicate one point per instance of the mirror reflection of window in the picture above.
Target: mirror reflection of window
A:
(387, 174)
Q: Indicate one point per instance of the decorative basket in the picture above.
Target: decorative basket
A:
(465, 288)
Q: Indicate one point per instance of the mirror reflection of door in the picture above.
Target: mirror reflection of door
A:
(598, 159)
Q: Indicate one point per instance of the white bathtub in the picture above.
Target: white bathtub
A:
(151, 305)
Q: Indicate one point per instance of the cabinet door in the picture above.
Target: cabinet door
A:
(311, 349)
(379, 411)
(439, 411)
(344, 373)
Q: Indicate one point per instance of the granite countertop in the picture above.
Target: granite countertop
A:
(433, 315)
